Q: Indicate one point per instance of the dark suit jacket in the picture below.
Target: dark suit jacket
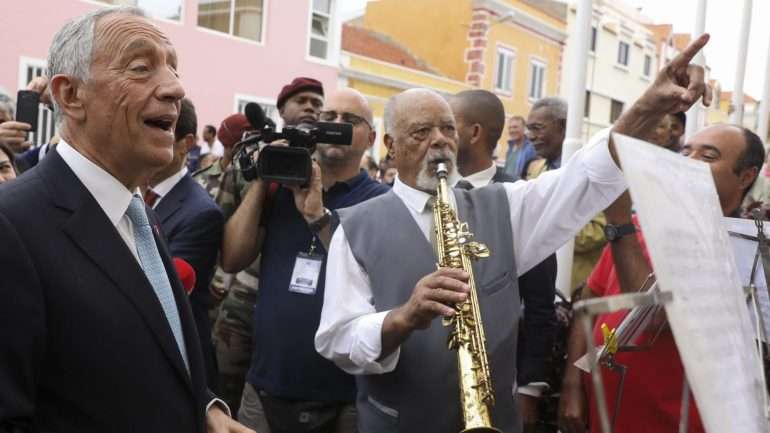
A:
(85, 343)
(193, 224)
(538, 327)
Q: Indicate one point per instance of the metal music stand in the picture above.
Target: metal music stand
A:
(589, 308)
(751, 291)
(653, 297)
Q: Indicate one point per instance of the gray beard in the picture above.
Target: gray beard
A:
(428, 183)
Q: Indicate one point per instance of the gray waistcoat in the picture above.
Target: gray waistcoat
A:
(422, 393)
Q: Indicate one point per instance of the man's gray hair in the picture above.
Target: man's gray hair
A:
(555, 107)
(387, 117)
(7, 103)
(71, 51)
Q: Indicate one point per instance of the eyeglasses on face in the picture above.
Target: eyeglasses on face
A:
(422, 132)
(332, 116)
(535, 127)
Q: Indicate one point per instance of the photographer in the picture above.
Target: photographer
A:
(15, 134)
(290, 387)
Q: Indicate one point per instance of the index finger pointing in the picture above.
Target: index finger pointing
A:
(685, 57)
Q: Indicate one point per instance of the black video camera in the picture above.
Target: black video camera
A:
(288, 165)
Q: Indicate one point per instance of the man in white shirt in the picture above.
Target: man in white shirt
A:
(378, 324)
(97, 332)
(210, 143)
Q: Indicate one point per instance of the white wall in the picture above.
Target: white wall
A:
(605, 78)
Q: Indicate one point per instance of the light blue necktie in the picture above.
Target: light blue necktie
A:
(154, 269)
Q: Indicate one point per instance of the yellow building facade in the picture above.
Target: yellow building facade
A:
(514, 48)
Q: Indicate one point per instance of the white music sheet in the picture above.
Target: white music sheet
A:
(681, 218)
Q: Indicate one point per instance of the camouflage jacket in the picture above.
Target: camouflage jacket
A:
(231, 189)
(210, 178)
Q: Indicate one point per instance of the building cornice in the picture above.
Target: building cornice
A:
(515, 15)
(346, 71)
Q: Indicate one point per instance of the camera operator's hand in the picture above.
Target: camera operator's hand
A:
(309, 200)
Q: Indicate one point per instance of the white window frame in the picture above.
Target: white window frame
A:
(543, 66)
(628, 53)
(333, 40)
(270, 103)
(510, 54)
(262, 37)
(46, 121)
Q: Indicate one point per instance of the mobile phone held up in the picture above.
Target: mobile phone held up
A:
(27, 103)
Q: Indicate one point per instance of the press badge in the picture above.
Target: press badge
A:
(307, 269)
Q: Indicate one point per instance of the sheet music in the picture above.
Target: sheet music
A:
(692, 256)
(745, 251)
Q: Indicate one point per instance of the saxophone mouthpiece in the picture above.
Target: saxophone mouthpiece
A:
(441, 170)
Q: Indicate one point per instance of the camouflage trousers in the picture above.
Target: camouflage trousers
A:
(232, 338)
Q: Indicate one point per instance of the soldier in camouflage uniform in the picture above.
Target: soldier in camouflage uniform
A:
(237, 293)
(210, 177)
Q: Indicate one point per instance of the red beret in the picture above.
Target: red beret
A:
(299, 84)
(232, 128)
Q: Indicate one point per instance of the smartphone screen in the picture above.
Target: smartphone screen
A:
(27, 103)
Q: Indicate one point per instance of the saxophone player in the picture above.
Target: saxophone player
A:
(383, 291)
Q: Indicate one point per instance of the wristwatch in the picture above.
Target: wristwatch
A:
(319, 224)
(614, 233)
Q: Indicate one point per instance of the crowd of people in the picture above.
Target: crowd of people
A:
(317, 307)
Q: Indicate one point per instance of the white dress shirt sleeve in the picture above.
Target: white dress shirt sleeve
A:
(545, 214)
(548, 211)
(350, 332)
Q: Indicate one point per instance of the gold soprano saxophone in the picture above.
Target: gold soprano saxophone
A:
(455, 249)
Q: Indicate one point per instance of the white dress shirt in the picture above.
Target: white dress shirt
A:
(162, 189)
(483, 177)
(545, 213)
(111, 195)
(216, 148)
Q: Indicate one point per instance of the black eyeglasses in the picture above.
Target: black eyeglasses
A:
(331, 116)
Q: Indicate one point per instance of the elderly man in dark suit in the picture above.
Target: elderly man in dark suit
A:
(192, 224)
(97, 332)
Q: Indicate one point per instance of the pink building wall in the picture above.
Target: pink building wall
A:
(214, 67)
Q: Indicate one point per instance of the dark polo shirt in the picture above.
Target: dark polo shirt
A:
(284, 360)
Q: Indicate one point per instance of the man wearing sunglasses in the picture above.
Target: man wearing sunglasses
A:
(290, 387)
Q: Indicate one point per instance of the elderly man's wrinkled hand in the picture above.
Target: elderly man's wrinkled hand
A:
(435, 295)
(680, 84)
